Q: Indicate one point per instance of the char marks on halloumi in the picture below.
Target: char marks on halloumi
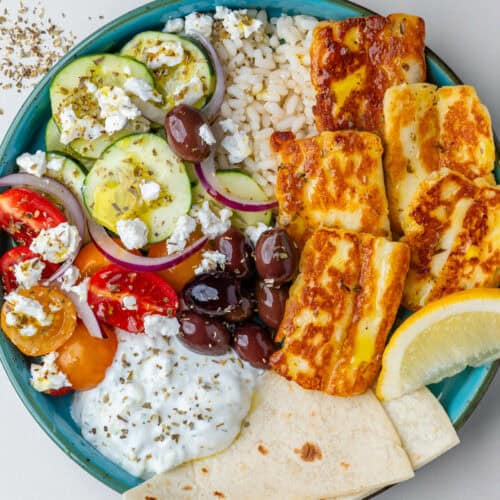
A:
(353, 63)
(340, 310)
(334, 179)
(453, 229)
(426, 128)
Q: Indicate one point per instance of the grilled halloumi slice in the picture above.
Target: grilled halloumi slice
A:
(426, 128)
(453, 230)
(334, 179)
(354, 61)
(340, 310)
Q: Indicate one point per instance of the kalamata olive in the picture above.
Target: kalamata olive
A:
(214, 294)
(253, 344)
(182, 126)
(276, 256)
(270, 303)
(204, 335)
(237, 250)
(241, 312)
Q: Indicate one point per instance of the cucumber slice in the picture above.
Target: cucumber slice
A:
(71, 174)
(68, 89)
(241, 184)
(174, 81)
(53, 143)
(112, 188)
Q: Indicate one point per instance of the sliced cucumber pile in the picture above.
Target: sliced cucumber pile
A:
(112, 188)
(240, 184)
(71, 174)
(69, 89)
(190, 81)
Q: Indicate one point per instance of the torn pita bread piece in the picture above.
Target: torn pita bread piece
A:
(295, 444)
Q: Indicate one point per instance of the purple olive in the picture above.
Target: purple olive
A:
(204, 335)
(252, 343)
(237, 251)
(276, 257)
(241, 312)
(270, 303)
(182, 126)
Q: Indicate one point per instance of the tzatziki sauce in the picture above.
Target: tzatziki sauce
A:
(161, 404)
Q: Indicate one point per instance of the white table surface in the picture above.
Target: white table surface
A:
(466, 34)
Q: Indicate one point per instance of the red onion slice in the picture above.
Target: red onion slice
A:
(212, 108)
(150, 111)
(207, 174)
(64, 195)
(85, 313)
(118, 255)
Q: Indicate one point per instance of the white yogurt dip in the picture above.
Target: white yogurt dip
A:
(161, 404)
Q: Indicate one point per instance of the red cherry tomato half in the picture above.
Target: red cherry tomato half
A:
(14, 256)
(152, 294)
(59, 392)
(24, 213)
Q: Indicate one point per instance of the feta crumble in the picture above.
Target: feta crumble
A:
(211, 225)
(175, 25)
(34, 164)
(167, 53)
(22, 308)
(129, 302)
(184, 227)
(81, 290)
(189, 93)
(116, 108)
(210, 261)
(237, 23)
(199, 23)
(142, 89)
(150, 190)
(55, 164)
(48, 376)
(133, 233)
(69, 278)
(57, 244)
(254, 232)
(206, 134)
(156, 325)
(29, 272)
(237, 146)
(73, 127)
(90, 86)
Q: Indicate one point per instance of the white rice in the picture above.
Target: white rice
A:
(268, 88)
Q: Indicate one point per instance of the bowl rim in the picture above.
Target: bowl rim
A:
(30, 404)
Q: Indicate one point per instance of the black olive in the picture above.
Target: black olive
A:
(237, 251)
(252, 343)
(270, 303)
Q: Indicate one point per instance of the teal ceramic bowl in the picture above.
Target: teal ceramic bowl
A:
(459, 395)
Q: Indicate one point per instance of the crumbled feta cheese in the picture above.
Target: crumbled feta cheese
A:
(133, 233)
(29, 272)
(69, 278)
(238, 147)
(167, 53)
(55, 164)
(57, 244)
(175, 25)
(73, 127)
(48, 376)
(211, 225)
(210, 261)
(116, 108)
(199, 23)
(156, 325)
(22, 308)
(81, 290)
(253, 232)
(206, 134)
(228, 126)
(190, 92)
(237, 23)
(184, 227)
(142, 89)
(150, 190)
(34, 164)
(129, 302)
(91, 87)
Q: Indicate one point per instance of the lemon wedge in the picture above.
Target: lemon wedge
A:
(440, 340)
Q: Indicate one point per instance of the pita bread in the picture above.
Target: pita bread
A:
(295, 444)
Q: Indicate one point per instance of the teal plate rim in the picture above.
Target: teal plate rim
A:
(477, 388)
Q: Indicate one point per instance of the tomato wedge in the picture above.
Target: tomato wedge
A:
(47, 338)
(14, 256)
(84, 359)
(24, 213)
(147, 293)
